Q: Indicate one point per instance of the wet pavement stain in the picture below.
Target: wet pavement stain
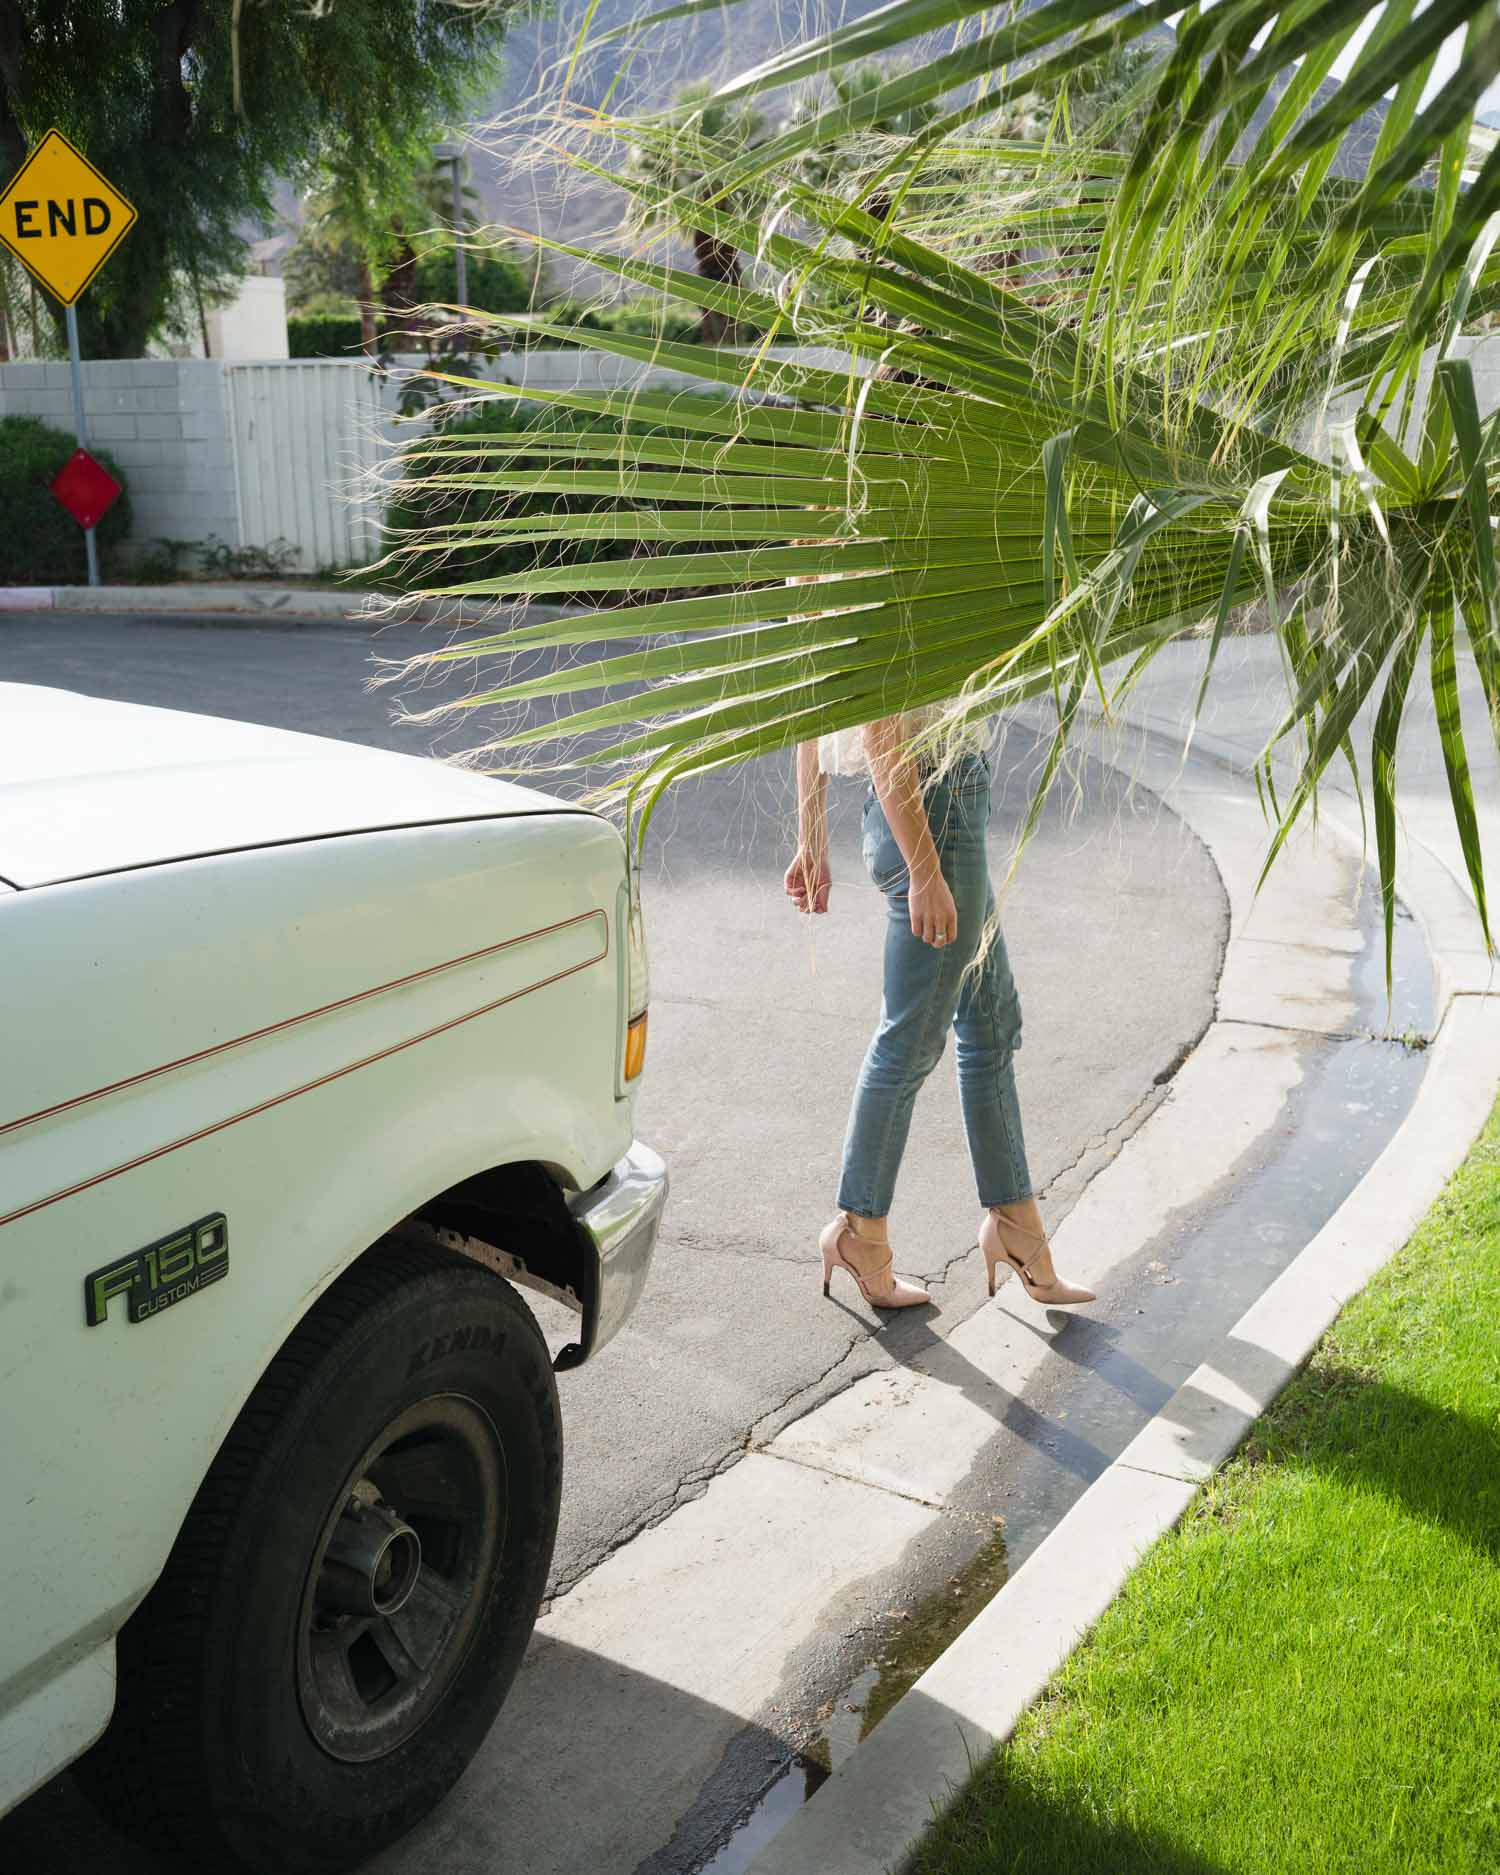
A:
(910, 1639)
(801, 1778)
(913, 1639)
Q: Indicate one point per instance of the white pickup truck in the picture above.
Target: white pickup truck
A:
(308, 1054)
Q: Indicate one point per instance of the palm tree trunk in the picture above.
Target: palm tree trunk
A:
(366, 307)
(398, 294)
(720, 262)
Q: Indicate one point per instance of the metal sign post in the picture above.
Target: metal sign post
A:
(81, 428)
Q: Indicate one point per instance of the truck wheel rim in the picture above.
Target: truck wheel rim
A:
(431, 1488)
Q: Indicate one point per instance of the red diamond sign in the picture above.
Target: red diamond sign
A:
(85, 488)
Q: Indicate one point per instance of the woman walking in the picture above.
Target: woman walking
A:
(924, 846)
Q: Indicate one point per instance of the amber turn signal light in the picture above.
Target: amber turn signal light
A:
(635, 1048)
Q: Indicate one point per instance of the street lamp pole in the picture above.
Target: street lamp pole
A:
(460, 253)
(453, 153)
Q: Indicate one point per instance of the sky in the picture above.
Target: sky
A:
(1443, 65)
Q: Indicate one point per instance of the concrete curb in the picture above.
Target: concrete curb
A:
(289, 604)
(874, 1811)
(1430, 884)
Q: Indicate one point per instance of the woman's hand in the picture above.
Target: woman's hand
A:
(934, 916)
(808, 880)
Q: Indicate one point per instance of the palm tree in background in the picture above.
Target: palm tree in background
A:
(834, 163)
(1107, 100)
(1245, 380)
(383, 242)
(332, 237)
(675, 160)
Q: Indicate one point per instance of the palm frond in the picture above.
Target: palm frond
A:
(1081, 402)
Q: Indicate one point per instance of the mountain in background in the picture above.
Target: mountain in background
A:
(643, 73)
(519, 189)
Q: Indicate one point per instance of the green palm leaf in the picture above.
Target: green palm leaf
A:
(1119, 395)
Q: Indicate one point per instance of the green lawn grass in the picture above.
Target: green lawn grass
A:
(1305, 1675)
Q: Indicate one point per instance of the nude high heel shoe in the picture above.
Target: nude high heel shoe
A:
(878, 1286)
(1031, 1259)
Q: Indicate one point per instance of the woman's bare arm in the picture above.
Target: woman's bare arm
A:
(934, 917)
(808, 879)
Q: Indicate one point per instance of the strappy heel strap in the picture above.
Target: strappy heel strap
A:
(1050, 1292)
(879, 1286)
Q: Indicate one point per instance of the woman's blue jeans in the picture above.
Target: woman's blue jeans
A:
(929, 990)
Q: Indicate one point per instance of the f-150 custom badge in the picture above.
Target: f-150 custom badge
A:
(167, 1271)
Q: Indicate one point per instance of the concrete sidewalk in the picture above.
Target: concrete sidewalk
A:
(876, 1808)
(252, 600)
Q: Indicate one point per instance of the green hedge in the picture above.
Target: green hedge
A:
(41, 544)
(332, 335)
(441, 508)
(323, 335)
(494, 281)
(643, 318)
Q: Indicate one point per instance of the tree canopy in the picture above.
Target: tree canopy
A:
(196, 109)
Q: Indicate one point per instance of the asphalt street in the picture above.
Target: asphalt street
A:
(1115, 924)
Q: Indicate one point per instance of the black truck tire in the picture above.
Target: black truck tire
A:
(352, 1591)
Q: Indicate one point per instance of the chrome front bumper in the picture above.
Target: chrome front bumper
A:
(620, 1217)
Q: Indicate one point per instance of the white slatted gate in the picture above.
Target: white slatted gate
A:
(306, 436)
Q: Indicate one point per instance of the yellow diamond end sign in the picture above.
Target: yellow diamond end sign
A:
(61, 218)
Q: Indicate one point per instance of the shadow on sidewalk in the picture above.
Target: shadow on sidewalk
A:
(589, 1770)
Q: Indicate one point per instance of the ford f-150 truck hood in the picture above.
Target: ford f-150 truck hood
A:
(89, 786)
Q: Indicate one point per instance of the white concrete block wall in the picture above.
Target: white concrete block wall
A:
(163, 421)
(194, 467)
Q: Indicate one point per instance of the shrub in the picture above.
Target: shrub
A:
(325, 306)
(440, 508)
(41, 543)
(496, 281)
(336, 335)
(646, 318)
(674, 321)
(323, 335)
